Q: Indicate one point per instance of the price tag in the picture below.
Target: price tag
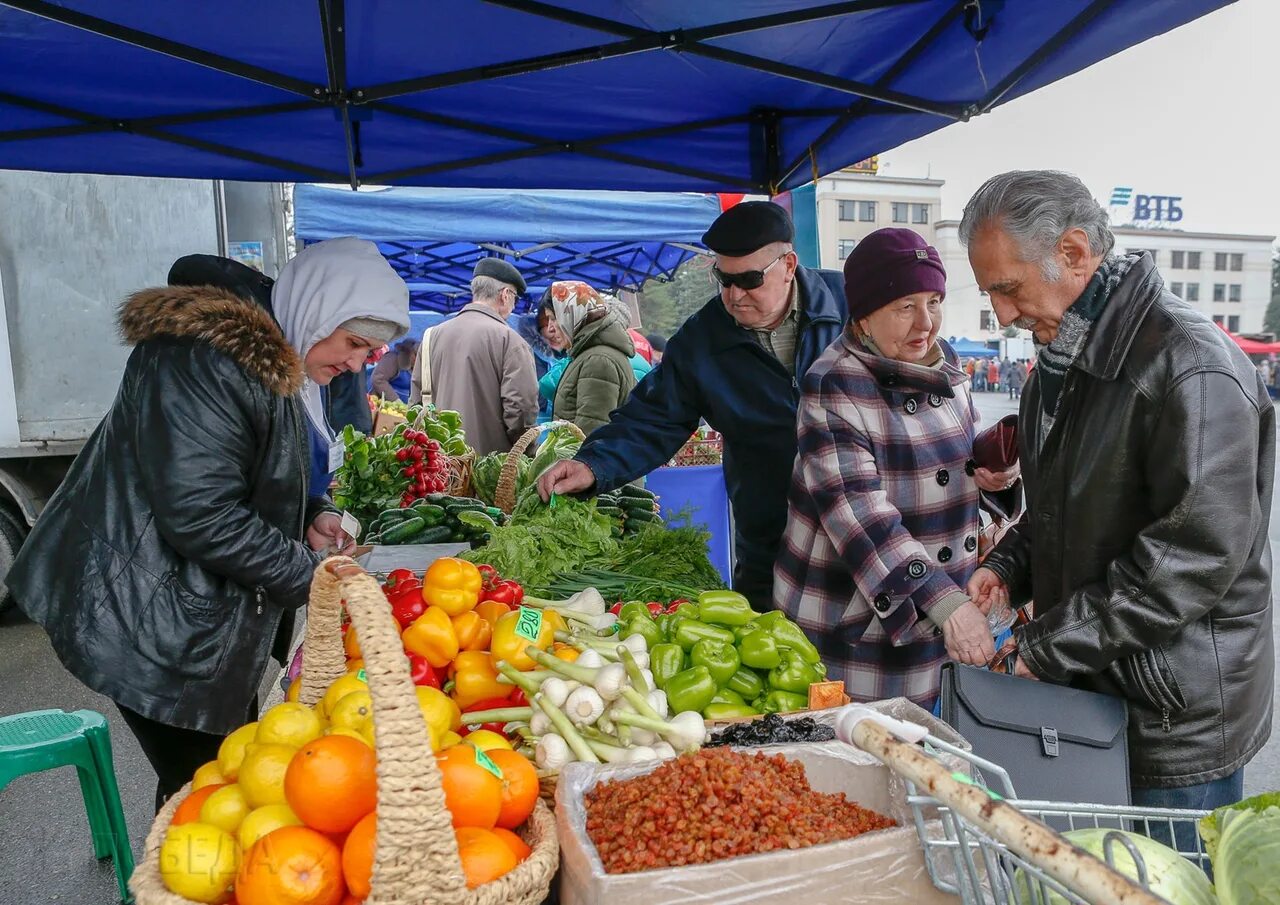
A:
(336, 451)
(360, 674)
(529, 625)
(350, 525)
(484, 760)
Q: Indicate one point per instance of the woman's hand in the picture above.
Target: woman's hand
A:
(968, 637)
(326, 535)
(995, 481)
(987, 591)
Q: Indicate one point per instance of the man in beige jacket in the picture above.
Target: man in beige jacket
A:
(481, 368)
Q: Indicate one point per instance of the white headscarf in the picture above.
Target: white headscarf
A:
(571, 303)
(326, 285)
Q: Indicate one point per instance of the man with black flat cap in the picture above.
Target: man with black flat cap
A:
(737, 364)
(480, 367)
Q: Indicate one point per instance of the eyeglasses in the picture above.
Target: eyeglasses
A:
(748, 279)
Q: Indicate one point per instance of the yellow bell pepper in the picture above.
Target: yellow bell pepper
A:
(492, 610)
(516, 631)
(475, 679)
(473, 631)
(452, 584)
(564, 652)
(431, 636)
(558, 623)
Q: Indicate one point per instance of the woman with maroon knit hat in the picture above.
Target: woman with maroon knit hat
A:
(882, 528)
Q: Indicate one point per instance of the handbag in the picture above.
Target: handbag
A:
(1057, 743)
(996, 448)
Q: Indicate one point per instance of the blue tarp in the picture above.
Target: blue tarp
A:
(972, 348)
(433, 237)
(670, 95)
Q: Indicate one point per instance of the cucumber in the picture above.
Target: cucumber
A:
(437, 535)
(636, 516)
(389, 517)
(432, 515)
(469, 506)
(631, 504)
(611, 511)
(398, 534)
(637, 493)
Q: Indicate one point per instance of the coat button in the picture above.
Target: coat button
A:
(944, 555)
(935, 400)
(915, 569)
(910, 405)
(882, 603)
(970, 467)
(971, 543)
(944, 477)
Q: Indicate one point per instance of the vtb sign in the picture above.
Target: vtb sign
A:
(1161, 208)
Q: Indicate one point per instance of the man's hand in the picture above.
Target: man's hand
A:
(988, 591)
(1020, 670)
(995, 481)
(967, 636)
(568, 476)
(326, 535)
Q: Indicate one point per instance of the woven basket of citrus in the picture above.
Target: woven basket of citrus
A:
(338, 798)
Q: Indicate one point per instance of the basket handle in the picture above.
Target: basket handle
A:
(416, 842)
(505, 496)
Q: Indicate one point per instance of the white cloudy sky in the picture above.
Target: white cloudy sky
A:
(1195, 112)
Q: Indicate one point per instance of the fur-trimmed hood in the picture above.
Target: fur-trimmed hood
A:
(242, 330)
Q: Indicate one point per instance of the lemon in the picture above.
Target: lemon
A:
(231, 751)
(265, 820)
(342, 686)
(262, 774)
(207, 775)
(487, 740)
(199, 862)
(295, 689)
(289, 724)
(351, 733)
(354, 711)
(225, 808)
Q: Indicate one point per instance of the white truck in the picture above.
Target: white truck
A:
(72, 247)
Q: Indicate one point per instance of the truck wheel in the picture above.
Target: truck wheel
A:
(12, 533)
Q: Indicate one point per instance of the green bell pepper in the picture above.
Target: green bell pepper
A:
(793, 674)
(667, 624)
(788, 635)
(725, 608)
(633, 608)
(759, 650)
(720, 659)
(744, 682)
(728, 711)
(781, 702)
(642, 626)
(741, 631)
(691, 689)
(665, 660)
(727, 696)
(689, 632)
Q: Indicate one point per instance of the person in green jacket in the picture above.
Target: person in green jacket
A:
(599, 375)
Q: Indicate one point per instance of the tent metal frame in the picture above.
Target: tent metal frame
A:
(355, 104)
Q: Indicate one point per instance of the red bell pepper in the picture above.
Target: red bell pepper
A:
(616, 609)
(422, 672)
(518, 699)
(407, 605)
(399, 575)
(488, 575)
(655, 608)
(506, 591)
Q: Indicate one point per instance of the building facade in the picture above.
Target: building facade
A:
(853, 204)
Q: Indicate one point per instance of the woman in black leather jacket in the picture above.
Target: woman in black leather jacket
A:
(185, 532)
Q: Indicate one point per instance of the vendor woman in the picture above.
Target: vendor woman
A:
(882, 527)
(185, 532)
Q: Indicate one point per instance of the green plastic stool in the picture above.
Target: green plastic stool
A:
(44, 739)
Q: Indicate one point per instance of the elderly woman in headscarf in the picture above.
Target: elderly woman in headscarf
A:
(882, 530)
(601, 370)
(186, 532)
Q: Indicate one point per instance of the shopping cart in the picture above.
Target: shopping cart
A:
(984, 845)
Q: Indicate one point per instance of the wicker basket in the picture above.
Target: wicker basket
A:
(461, 468)
(505, 496)
(416, 859)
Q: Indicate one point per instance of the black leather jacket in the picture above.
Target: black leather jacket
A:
(1144, 544)
(162, 567)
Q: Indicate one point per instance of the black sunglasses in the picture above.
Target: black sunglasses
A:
(748, 279)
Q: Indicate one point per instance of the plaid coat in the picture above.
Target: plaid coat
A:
(883, 520)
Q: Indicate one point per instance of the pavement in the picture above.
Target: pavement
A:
(46, 855)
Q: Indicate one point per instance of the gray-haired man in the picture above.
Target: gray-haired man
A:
(1148, 456)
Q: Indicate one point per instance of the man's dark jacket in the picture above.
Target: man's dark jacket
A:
(1144, 545)
(715, 370)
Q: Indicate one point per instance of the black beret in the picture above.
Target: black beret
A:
(503, 271)
(225, 273)
(747, 227)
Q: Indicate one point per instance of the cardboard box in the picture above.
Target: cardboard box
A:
(880, 868)
(385, 422)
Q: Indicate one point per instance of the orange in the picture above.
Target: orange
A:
(352, 900)
(519, 787)
(472, 794)
(330, 783)
(485, 857)
(189, 810)
(518, 846)
(291, 866)
(357, 856)
(351, 645)
(355, 665)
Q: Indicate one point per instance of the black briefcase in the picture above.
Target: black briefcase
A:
(1057, 743)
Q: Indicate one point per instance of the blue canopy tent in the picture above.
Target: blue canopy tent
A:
(433, 237)
(972, 348)
(718, 95)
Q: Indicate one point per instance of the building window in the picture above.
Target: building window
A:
(848, 210)
(1176, 288)
(1219, 292)
(846, 247)
(1175, 263)
(1193, 260)
(899, 212)
(919, 213)
(1237, 262)
(1193, 292)
(1233, 292)
(1217, 319)
(987, 322)
(1220, 260)
(867, 211)
(1233, 323)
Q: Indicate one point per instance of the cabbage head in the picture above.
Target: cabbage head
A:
(1243, 841)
